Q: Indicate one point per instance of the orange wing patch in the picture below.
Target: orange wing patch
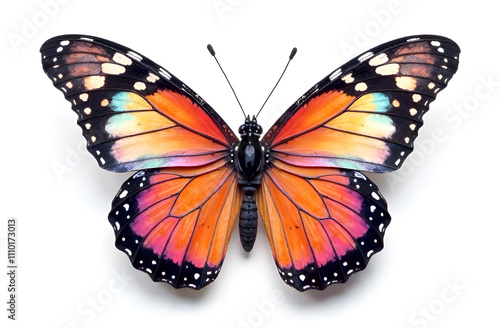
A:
(182, 110)
(315, 113)
(324, 229)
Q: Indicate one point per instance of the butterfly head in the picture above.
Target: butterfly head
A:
(250, 128)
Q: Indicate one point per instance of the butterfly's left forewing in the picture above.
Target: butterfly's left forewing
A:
(324, 220)
(174, 217)
(134, 114)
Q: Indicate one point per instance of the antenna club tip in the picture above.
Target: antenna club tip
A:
(292, 54)
(211, 49)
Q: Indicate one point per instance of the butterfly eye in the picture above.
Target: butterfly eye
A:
(241, 129)
(258, 130)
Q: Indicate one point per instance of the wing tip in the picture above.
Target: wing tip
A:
(65, 37)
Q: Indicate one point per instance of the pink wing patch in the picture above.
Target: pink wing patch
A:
(175, 224)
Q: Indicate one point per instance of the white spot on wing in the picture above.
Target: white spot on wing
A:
(361, 86)
(165, 74)
(152, 78)
(94, 82)
(389, 69)
(378, 60)
(335, 74)
(365, 56)
(359, 175)
(134, 55)
(110, 68)
(139, 86)
(347, 78)
(122, 59)
(406, 83)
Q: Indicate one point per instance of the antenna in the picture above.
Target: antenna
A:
(212, 52)
(292, 54)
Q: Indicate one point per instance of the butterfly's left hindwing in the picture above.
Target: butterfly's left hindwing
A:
(133, 113)
(175, 224)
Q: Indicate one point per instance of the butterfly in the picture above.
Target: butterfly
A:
(193, 176)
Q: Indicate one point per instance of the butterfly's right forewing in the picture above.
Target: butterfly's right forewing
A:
(366, 114)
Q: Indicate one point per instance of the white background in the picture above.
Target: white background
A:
(439, 267)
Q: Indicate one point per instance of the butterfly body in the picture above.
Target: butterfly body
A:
(250, 154)
(194, 177)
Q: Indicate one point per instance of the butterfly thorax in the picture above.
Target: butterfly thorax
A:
(249, 157)
(249, 152)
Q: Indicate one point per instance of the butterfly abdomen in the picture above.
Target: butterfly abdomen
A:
(248, 221)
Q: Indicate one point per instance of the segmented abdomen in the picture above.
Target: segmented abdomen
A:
(248, 219)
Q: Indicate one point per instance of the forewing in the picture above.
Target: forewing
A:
(175, 224)
(366, 114)
(134, 114)
(323, 224)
